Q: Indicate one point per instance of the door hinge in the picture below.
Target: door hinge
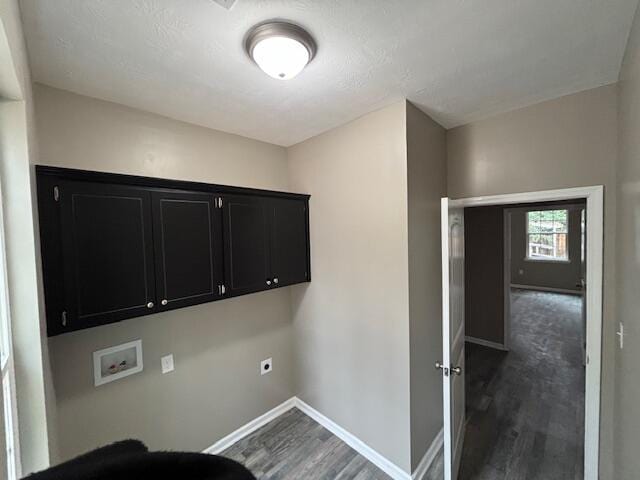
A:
(56, 193)
(64, 318)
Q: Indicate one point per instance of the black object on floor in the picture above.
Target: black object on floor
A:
(130, 459)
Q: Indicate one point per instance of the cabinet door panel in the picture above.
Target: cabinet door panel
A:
(108, 253)
(187, 245)
(246, 244)
(289, 241)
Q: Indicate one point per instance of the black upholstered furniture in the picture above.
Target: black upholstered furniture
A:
(131, 460)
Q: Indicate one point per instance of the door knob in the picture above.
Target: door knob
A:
(445, 370)
(164, 301)
(456, 370)
(275, 280)
(268, 282)
(150, 305)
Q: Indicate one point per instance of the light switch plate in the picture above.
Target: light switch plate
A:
(266, 366)
(167, 363)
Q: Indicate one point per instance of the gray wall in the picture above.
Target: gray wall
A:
(426, 183)
(484, 273)
(567, 142)
(627, 388)
(562, 275)
(216, 386)
(352, 321)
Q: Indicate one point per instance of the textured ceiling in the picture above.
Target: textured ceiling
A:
(458, 60)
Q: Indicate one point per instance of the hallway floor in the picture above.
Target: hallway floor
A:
(525, 408)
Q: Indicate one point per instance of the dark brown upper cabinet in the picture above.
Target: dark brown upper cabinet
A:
(188, 248)
(288, 241)
(246, 235)
(266, 243)
(116, 246)
(107, 247)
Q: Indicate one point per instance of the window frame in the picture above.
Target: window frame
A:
(528, 257)
(7, 368)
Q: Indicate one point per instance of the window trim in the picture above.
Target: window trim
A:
(7, 367)
(527, 257)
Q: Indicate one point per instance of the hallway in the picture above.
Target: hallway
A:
(525, 408)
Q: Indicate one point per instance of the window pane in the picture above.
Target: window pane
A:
(561, 221)
(548, 246)
(561, 246)
(533, 221)
(546, 225)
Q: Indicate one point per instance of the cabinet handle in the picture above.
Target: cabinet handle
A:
(268, 282)
(150, 305)
(164, 301)
(275, 280)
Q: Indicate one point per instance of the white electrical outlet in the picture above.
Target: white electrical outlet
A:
(167, 363)
(266, 366)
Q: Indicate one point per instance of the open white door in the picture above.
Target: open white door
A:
(452, 365)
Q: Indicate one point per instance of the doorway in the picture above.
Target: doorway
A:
(520, 303)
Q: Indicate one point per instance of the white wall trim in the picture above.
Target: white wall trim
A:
(593, 293)
(250, 427)
(429, 456)
(546, 289)
(354, 442)
(485, 343)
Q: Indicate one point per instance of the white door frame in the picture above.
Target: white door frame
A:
(595, 233)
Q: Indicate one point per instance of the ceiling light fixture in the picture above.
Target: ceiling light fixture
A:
(280, 49)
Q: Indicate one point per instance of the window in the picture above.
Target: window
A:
(548, 235)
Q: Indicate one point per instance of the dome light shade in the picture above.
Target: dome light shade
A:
(280, 49)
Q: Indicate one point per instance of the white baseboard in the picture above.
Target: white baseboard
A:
(485, 343)
(354, 442)
(429, 456)
(546, 289)
(250, 427)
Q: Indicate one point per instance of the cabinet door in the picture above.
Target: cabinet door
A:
(188, 248)
(246, 243)
(289, 241)
(107, 252)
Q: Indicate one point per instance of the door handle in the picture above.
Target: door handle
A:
(456, 370)
(440, 366)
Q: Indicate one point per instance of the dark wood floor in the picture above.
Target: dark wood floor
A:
(295, 447)
(525, 408)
